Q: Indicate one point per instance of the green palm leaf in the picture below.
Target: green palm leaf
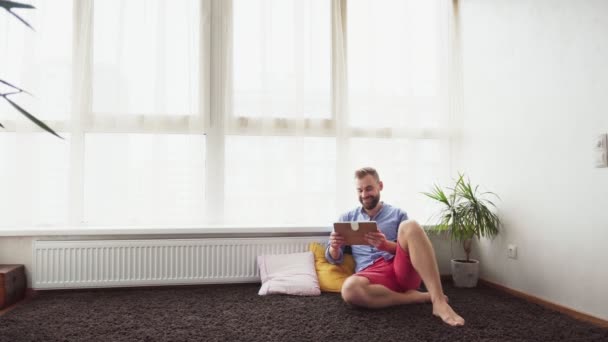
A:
(9, 5)
(32, 118)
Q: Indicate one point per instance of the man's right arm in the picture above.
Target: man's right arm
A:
(335, 249)
(334, 254)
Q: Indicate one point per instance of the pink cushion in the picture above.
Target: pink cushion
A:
(292, 274)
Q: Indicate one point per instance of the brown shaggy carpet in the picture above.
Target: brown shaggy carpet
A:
(237, 313)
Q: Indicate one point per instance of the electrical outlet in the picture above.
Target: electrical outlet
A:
(512, 251)
(601, 150)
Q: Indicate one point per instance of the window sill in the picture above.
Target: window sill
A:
(217, 231)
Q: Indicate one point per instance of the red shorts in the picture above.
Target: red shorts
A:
(397, 274)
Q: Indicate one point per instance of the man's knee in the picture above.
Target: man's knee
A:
(353, 291)
(409, 227)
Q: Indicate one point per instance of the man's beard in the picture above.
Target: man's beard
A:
(371, 205)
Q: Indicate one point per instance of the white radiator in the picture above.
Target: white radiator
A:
(108, 263)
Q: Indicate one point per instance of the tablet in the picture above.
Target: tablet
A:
(354, 232)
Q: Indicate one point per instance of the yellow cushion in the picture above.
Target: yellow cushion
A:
(331, 277)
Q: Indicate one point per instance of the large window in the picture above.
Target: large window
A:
(242, 112)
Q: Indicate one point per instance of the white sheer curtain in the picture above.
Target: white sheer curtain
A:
(280, 166)
(396, 66)
(33, 165)
(398, 96)
(242, 112)
(144, 150)
(127, 98)
(280, 66)
(145, 58)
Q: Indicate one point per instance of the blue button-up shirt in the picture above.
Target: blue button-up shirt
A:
(387, 219)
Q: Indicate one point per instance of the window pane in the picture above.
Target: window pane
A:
(38, 61)
(134, 179)
(406, 167)
(279, 180)
(146, 57)
(35, 170)
(282, 58)
(393, 64)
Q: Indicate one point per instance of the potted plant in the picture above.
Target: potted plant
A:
(465, 215)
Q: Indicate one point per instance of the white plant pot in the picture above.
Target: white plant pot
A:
(465, 274)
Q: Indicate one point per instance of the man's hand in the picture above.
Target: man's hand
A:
(377, 239)
(336, 241)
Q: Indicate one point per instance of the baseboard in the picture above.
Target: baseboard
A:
(552, 306)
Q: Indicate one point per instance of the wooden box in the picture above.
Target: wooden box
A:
(12, 284)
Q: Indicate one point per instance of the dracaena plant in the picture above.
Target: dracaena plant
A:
(465, 213)
(12, 89)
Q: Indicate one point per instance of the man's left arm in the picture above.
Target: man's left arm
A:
(378, 240)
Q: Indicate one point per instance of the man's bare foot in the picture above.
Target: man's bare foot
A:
(442, 310)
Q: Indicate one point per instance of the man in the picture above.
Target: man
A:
(399, 256)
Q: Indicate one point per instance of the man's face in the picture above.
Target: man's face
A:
(369, 191)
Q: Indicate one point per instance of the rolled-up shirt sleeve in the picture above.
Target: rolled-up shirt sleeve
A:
(333, 261)
(403, 216)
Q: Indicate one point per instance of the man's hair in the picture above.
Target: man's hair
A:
(364, 171)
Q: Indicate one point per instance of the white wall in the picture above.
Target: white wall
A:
(17, 250)
(535, 96)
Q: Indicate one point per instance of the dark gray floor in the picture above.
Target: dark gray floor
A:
(237, 313)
